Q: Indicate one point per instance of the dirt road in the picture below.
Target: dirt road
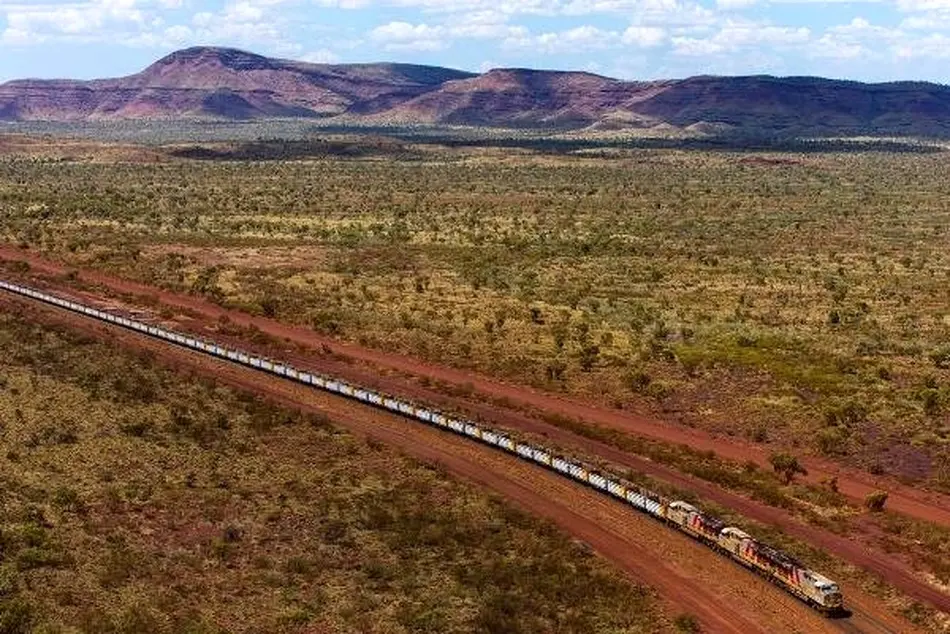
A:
(724, 596)
(887, 567)
(929, 506)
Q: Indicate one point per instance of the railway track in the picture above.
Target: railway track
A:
(859, 622)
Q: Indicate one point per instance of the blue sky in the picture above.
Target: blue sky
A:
(870, 40)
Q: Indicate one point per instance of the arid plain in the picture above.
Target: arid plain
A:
(694, 318)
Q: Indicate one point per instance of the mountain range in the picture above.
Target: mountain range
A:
(228, 84)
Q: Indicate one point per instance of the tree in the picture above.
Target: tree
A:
(787, 466)
(874, 502)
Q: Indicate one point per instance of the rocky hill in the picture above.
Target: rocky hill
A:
(225, 84)
(220, 83)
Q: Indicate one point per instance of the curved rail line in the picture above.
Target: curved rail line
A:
(781, 569)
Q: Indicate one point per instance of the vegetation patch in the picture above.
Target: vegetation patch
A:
(755, 298)
(136, 500)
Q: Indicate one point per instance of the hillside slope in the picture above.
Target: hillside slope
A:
(227, 84)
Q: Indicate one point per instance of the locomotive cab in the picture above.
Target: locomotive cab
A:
(678, 512)
(831, 597)
(823, 592)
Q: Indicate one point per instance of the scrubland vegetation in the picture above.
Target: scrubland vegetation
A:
(136, 500)
(795, 300)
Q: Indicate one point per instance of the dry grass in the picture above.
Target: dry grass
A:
(139, 500)
(798, 300)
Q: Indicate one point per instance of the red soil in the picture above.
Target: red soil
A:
(857, 485)
(687, 575)
(207, 315)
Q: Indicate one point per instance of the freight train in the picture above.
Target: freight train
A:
(811, 587)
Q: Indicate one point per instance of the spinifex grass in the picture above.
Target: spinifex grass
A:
(137, 500)
(794, 300)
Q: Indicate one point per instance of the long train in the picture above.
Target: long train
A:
(815, 589)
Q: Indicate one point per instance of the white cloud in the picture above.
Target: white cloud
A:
(587, 38)
(259, 25)
(485, 25)
(889, 44)
(697, 47)
(923, 5)
(737, 36)
(576, 40)
(928, 21)
(179, 33)
(860, 28)
(402, 36)
(651, 36)
(343, 4)
(857, 39)
(155, 23)
(203, 19)
(644, 36)
(243, 12)
(931, 47)
(735, 4)
(506, 7)
(829, 47)
(85, 20)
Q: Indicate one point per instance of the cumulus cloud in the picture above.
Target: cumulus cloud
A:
(644, 36)
(402, 36)
(86, 20)
(734, 37)
(587, 38)
(245, 23)
(735, 4)
(576, 40)
(932, 47)
(156, 23)
(860, 39)
(828, 46)
(923, 5)
(343, 4)
(857, 39)
(33, 23)
(929, 21)
(670, 36)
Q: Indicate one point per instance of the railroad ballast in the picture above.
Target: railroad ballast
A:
(779, 567)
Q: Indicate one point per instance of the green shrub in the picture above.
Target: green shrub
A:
(875, 501)
(786, 466)
(687, 624)
(16, 616)
(831, 441)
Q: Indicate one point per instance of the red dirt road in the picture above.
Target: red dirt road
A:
(928, 506)
(689, 576)
(885, 566)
